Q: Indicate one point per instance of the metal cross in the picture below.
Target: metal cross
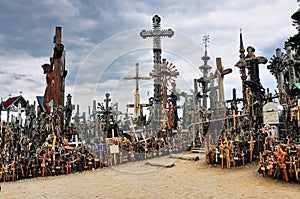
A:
(157, 33)
(137, 93)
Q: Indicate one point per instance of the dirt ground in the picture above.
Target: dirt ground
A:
(187, 179)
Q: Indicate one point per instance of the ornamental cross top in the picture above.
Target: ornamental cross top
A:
(156, 33)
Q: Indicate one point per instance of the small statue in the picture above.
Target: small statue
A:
(49, 91)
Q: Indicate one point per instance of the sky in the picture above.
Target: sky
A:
(103, 44)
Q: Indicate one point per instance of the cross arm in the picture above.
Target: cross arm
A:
(142, 78)
(156, 33)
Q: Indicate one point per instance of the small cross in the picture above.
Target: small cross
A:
(251, 142)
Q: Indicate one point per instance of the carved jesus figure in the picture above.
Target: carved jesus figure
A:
(49, 91)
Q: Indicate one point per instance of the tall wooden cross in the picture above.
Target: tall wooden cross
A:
(157, 33)
(58, 60)
(222, 73)
(57, 63)
(253, 63)
(136, 105)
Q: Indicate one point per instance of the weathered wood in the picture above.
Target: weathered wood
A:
(57, 69)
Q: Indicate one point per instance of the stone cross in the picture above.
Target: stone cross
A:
(277, 68)
(292, 68)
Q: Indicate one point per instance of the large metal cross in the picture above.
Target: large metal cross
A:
(157, 33)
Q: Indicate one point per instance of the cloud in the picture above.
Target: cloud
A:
(118, 57)
(103, 43)
(22, 72)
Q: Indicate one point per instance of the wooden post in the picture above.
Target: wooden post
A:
(57, 69)
(221, 83)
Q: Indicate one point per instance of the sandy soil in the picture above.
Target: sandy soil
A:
(187, 179)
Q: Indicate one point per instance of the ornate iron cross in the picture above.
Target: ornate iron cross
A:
(156, 33)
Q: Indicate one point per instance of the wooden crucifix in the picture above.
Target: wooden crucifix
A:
(222, 72)
(55, 77)
(58, 68)
(253, 63)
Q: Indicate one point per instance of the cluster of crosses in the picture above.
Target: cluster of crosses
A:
(280, 155)
(46, 143)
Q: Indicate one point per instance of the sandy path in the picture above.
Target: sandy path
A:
(187, 179)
